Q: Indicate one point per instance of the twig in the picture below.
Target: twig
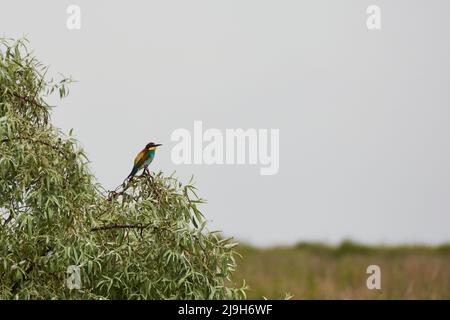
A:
(36, 141)
(126, 185)
(26, 100)
(129, 226)
(122, 226)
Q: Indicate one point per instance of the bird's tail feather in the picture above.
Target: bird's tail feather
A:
(133, 172)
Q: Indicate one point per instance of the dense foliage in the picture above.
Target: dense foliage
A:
(146, 240)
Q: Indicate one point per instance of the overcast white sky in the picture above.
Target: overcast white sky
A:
(363, 115)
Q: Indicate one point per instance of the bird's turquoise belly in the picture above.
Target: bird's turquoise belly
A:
(150, 158)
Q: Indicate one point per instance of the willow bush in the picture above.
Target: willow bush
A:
(146, 240)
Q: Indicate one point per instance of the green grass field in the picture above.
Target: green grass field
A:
(317, 271)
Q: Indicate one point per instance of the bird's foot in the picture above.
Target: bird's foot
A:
(149, 174)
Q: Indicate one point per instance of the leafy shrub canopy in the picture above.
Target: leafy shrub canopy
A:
(146, 241)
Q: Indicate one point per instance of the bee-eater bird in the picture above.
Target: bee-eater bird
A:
(144, 158)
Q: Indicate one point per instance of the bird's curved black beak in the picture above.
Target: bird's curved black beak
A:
(157, 145)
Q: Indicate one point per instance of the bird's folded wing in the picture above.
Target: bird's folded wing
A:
(140, 158)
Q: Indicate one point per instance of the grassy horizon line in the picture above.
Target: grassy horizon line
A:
(350, 246)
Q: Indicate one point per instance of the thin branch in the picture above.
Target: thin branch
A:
(122, 226)
(7, 220)
(130, 226)
(36, 141)
(126, 184)
(25, 99)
